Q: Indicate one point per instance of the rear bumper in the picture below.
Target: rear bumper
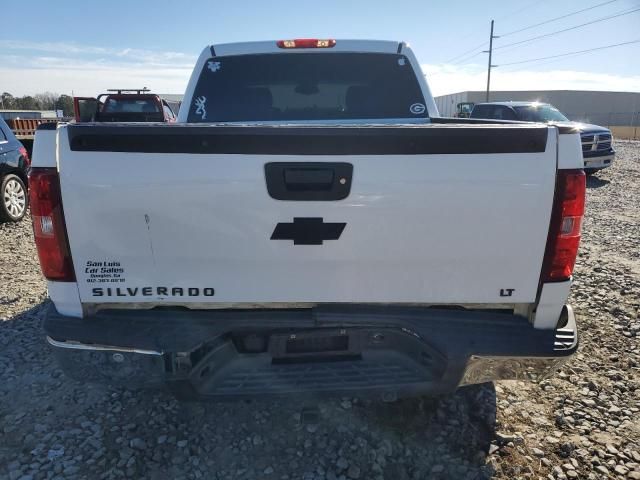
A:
(388, 352)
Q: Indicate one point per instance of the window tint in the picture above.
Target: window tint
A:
(128, 105)
(493, 112)
(87, 109)
(168, 113)
(482, 111)
(3, 137)
(540, 113)
(307, 86)
(505, 113)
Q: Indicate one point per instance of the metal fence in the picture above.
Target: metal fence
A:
(611, 119)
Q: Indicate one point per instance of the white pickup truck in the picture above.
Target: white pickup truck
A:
(309, 225)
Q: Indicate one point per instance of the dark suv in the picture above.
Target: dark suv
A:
(597, 149)
(14, 162)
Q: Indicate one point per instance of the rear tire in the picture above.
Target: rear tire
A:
(13, 199)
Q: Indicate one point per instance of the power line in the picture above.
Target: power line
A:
(468, 51)
(526, 7)
(523, 68)
(558, 18)
(539, 63)
(520, 10)
(467, 58)
(627, 12)
(464, 56)
(570, 53)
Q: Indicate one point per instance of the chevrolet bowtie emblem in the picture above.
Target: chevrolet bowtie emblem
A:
(308, 231)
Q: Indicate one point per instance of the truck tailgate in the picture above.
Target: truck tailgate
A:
(181, 214)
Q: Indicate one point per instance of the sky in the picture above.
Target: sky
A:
(85, 47)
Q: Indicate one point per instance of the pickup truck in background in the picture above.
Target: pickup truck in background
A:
(597, 141)
(331, 235)
(122, 105)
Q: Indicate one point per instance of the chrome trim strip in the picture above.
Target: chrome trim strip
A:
(104, 348)
(93, 308)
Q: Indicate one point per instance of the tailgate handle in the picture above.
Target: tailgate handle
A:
(318, 181)
(308, 178)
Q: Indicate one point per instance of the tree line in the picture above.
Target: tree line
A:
(40, 101)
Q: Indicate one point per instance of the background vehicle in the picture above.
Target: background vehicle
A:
(463, 109)
(122, 105)
(331, 234)
(597, 142)
(24, 129)
(14, 162)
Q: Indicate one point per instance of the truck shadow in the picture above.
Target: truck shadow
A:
(51, 419)
(596, 182)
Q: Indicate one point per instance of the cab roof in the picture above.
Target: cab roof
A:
(271, 46)
(514, 103)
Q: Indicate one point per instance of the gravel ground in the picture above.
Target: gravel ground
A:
(584, 423)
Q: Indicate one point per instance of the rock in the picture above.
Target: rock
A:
(353, 471)
(537, 452)
(71, 470)
(182, 443)
(342, 463)
(619, 469)
(55, 452)
(268, 471)
(505, 438)
(138, 444)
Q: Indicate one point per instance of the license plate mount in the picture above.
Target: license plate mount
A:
(316, 343)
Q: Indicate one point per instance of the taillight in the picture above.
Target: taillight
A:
(306, 43)
(25, 154)
(564, 232)
(48, 225)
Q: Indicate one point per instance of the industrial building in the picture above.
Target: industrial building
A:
(619, 111)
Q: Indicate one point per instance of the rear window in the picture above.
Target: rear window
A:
(129, 105)
(493, 112)
(306, 86)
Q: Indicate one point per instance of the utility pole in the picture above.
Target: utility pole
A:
(490, 52)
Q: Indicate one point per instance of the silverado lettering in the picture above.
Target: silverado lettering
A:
(151, 291)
